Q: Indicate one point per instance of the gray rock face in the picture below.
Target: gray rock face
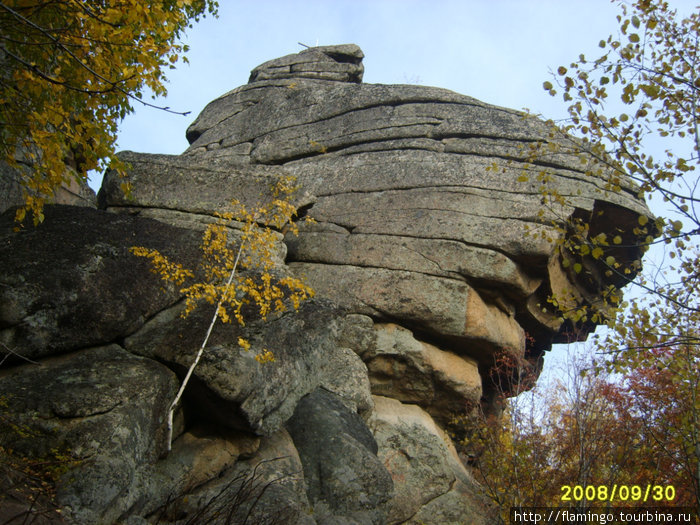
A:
(430, 255)
(10, 188)
(265, 488)
(71, 282)
(73, 193)
(236, 391)
(412, 219)
(402, 368)
(425, 468)
(104, 407)
(339, 63)
(345, 479)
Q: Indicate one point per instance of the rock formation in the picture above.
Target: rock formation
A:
(73, 193)
(427, 262)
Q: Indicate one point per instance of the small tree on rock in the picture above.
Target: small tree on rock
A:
(70, 71)
(237, 274)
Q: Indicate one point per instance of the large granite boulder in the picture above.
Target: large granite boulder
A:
(71, 282)
(408, 205)
(430, 254)
(101, 406)
(346, 480)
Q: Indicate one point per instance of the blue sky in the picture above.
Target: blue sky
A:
(499, 51)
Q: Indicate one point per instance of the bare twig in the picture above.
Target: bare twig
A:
(12, 352)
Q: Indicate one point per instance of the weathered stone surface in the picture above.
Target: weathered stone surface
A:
(345, 479)
(441, 306)
(267, 488)
(200, 185)
(72, 193)
(229, 385)
(342, 63)
(411, 371)
(456, 214)
(430, 254)
(357, 332)
(462, 504)
(398, 294)
(346, 115)
(198, 456)
(346, 376)
(71, 282)
(439, 257)
(103, 406)
(10, 189)
(424, 466)
(404, 181)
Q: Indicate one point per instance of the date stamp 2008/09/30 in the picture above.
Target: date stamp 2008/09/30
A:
(658, 494)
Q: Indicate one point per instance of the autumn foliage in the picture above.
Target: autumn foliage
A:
(238, 270)
(630, 417)
(70, 70)
(590, 428)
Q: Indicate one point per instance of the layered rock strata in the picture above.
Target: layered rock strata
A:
(430, 254)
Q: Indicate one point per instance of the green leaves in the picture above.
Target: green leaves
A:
(650, 66)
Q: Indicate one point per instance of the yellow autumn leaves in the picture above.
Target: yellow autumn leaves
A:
(69, 73)
(237, 267)
(257, 230)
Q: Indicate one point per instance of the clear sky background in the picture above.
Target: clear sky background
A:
(499, 51)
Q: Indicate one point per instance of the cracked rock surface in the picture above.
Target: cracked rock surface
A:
(430, 254)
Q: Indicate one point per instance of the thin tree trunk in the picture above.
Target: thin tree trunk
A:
(173, 405)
